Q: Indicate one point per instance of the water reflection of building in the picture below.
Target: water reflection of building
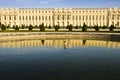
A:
(59, 43)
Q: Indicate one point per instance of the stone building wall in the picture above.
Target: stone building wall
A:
(60, 16)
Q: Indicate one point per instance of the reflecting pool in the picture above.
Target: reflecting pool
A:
(60, 59)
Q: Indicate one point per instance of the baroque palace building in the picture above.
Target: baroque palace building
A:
(60, 16)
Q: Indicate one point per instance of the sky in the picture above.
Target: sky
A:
(59, 3)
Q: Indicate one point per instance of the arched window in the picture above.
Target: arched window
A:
(86, 17)
(103, 17)
(83, 17)
(58, 17)
(23, 17)
(96, 17)
(5, 17)
(73, 17)
(117, 17)
(100, 17)
(93, 17)
(14, 17)
(26, 18)
(79, 17)
(68, 17)
(45, 17)
(42, 17)
(19, 17)
(32, 17)
(36, 17)
(63, 17)
(29, 17)
(39, 18)
(49, 17)
(76, 17)
(89, 17)
(113, 17)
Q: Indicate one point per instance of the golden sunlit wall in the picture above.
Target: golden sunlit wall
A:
(60, 16)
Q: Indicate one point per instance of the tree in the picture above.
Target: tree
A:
(3, 27)
(36, 26)
(70, 27)
(56, 27)
(42, 28)
(23, 26)
(96, 28)
(8, 26)
(16, 27)
(104, 27)
(76, 27)
(84, 28)
(49, 27)
(112, 27)
(67, 27)
(30, 27)
(0, 23)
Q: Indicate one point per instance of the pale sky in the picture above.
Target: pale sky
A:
(60, 3)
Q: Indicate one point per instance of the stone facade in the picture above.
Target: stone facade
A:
(60, 16)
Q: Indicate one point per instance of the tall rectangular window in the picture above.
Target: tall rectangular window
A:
(79, 17)
(14, 17)
(29, 17)
(19, 17)
(5, 17)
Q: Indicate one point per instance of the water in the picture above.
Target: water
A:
(60, 59)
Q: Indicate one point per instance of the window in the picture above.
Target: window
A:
(23, 17)
(29, 17)
(93, 17)
(19, 17)
(58, 17)
(36, 17)
(100, 17)
(68, 17)
(46, 18)
(113, 17)
(39, 18)
(79, 17)
(73, 17)
(89, 17)
(42, 17)
(83, 17)
(103, 17)
(32, 17)
(86, 17)
(76, 18)
(52, 17)
(63, 17)
(5, 17)
(14, 17)
(96, 17)
(49, 17)
(26, 18)
(118, 17)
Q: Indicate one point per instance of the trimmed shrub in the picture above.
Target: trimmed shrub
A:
(96, 28)
(111, 27)
(56, 28)
(17, 28)
(84, 28)
(42, 28)
(30, 27)
(70, 28)
(3, 27)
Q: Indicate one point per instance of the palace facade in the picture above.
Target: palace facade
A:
(60, 16)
